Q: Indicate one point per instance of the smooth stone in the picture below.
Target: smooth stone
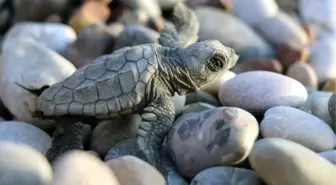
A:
(289, 6)
(321, 14)
(201, 96)
(245, 91)
(109, 133)
(323, 57)
(214, 86)
(179, 102)
(219, 136)
(226, 175)
(332, 108)
(224, 29)
(197, 107)
(298, 126)
(37, 10)
(88, 13)
(304, 73)
(20, 132)
(92, 42)
(55, 36)
(81, 168)
(283, 29)
(288, 54)
(21, 164)
(330, 86)
(134, 35)
(258, 64)
(151, 7)
(33, 65)
(312, 96)
(320, 110)
(254, 11)
(168, 4)
(329, 155)
(131, 170)
(278, 161)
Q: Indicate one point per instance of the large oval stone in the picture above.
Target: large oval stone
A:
(20, 132)
(298, 126)
(21, 164)
(258, 91)
(219, 136)
(81, 168)
(31, 64)
(278, 161)
(225, 175)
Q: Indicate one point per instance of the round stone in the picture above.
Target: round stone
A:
(329, 155)
(278, 161)
(219, 136)
(81, 168)
(21, 164)
(247, 92)
(20, 132)
(332, 107)
(131, 170)
(303, 73)
(109, 133)
(320, 110)
(330, 86)
(179, 103)
(226, 175)
(214, 86)
(298, 126)
(312, 97)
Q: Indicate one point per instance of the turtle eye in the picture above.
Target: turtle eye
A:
(216, 63)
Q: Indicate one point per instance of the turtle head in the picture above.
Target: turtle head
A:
(206, 60)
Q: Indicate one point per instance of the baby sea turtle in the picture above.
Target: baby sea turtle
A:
(139, 79)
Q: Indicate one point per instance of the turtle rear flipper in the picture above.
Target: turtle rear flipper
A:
(34, 91)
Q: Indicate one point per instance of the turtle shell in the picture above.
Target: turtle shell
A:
(110, 86)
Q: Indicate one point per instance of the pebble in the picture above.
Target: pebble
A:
(197, 107)
(278, 161)
(164, 4)
(214, 86)
(323, 58)
(298, 126)
(226, 175)
(131, 170)
(224, 29)
(55, 36)
(20, 132)
(245, 91)
(91, 43)
(288, 6)
(329, 155)
(21, 164)
(33, 65)
(225, 5)
(179, 102)
(304, 73)
(332, 108)
(320, 110)
(313, 96)
(89, 12)
(258, 64)
(150, 7)
(109, 133)
(254, 11)
(330, 86)
(81, 168)
(201, 96)
(220, 136)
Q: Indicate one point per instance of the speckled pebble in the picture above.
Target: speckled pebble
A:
(219, 136)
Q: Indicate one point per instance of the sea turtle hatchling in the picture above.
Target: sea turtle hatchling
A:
(139, 79)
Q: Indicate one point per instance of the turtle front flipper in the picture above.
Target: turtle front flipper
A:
(157, 120)
(66, 137)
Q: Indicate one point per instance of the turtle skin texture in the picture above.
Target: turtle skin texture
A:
(139, 79)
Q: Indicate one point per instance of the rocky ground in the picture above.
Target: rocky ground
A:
(269, 120)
